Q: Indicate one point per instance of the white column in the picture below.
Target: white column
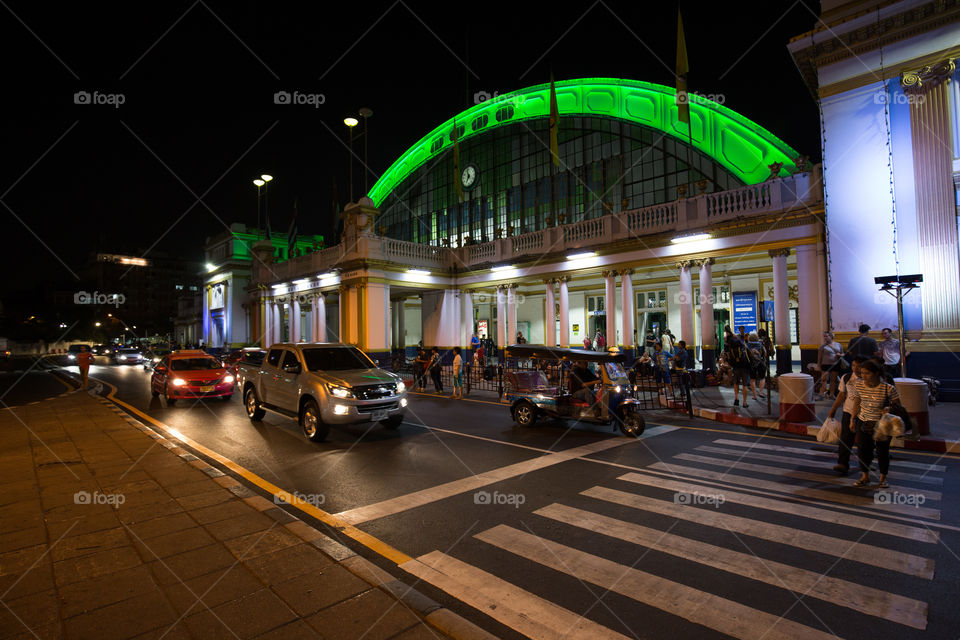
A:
(511, 313)
(265, 335)
(227, 314)
(277, 329)
(401, 309)
(466, 318)
(294, 319)
(808, 297)
(206, 315)
(686, 303)
(610, 305)
(549, 316)
(781, 307)
(321, 319)
(626, 311)
(502, 328)
(708, 332)
(564, 312)
(375, 305)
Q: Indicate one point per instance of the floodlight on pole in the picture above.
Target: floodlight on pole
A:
(266, 178)
(899, 286)
(259, 183)
(351, 123)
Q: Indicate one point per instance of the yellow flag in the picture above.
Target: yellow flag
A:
(554, 124)
(682, 100)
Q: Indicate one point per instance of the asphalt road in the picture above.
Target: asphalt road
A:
(696, 530)
(22, 382)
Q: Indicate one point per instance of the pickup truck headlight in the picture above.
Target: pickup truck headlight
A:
(340, 392)
(401, 387)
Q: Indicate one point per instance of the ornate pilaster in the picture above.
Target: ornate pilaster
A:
(930, 127)
(708, 329)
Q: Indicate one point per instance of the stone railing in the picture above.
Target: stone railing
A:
(797, 192)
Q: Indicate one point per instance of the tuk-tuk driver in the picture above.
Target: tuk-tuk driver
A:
(583, 383)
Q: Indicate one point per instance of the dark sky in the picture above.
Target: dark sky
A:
(199, 119)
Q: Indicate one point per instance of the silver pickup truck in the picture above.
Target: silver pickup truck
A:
(321, 384)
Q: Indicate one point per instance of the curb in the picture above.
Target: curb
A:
(798, 428)
(425, 607)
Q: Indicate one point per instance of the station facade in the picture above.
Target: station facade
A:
(642, 225)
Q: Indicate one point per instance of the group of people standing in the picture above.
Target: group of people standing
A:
(747, 356)
(429, 363)
(833, 361)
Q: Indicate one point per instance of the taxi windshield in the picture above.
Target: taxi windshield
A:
(194, 364)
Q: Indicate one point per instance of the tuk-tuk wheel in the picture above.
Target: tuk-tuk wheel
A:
(525, 414)
(633, 424)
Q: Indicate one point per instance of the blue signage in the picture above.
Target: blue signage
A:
(745, 311)
(768, 310)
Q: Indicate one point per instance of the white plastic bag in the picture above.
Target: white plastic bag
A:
(889, 426)
(829, 432)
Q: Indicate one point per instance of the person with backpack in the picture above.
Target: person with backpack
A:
(739, 358)
(758, 364)
(862, 344)
(434, 368)
(847, 434)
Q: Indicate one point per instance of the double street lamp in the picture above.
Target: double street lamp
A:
(262, 182)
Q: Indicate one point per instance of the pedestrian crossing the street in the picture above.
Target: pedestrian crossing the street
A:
(780, 520)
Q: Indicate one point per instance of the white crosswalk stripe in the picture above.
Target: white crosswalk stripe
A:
(860, 500)
(731, 552)
(866, 554)
(821, 454)
(894, 475)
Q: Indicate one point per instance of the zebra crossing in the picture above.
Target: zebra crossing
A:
(772, 517)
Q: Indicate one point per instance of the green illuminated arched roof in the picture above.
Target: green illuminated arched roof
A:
(738, 144)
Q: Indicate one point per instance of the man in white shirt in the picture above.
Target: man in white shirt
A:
(889, 350)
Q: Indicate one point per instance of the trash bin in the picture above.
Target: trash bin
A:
(796, 397)
(914, 395)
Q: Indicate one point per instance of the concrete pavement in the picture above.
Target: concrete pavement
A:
(109, 530)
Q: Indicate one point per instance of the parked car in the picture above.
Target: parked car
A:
(249, 355)
(153, 356)
(127, 355)
(322, 384)
(191, 374)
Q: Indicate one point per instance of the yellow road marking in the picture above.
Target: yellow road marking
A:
(374, 544)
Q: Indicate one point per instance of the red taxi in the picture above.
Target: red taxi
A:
(191, 374)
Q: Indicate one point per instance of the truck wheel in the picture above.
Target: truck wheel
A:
(392, 423)
(525, 414)
(170, 401)
(252, 404)
(632, 424)
(312, 423)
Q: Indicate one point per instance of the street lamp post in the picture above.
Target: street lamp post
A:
(351, 123)
(266, 199)
(899, 286)
(259, 184)
(365, 112)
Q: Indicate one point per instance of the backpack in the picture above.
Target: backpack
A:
(756, 357)
(739, 356)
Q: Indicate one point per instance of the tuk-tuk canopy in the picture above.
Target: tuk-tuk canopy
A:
(543, 352)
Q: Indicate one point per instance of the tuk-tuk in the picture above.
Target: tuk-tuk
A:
(538, 385)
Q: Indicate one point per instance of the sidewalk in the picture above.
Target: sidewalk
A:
(108, 530)
(716, 403)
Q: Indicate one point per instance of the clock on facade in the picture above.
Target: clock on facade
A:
(469, 176)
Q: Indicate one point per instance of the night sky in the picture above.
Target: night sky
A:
(174, 163)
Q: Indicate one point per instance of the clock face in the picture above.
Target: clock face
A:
(468, 177)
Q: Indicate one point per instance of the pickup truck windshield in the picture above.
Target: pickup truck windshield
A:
(336, 359)
(193, 364)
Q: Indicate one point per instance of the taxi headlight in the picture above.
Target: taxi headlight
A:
(617, 389)
(340, 392)
(401, 387)
(179, 382)
(227, 379)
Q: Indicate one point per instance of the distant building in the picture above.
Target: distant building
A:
(140, 291)
(188, 323)
(225, 316)
(886, 78)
